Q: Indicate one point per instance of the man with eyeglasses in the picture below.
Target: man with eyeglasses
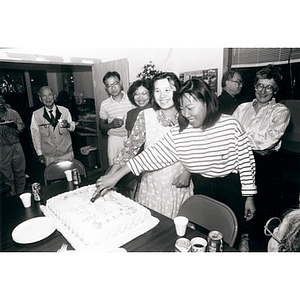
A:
(232, 84)
(113, 112)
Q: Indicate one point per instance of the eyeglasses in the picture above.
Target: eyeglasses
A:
(269, 88)
(270, 227)
(237, 82)
(116, 83)
(136, 95)
(46, 97)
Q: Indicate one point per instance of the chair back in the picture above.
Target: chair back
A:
(55, 170)
(212, 215)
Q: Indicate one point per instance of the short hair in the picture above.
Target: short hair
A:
(290, 241)
(43, 88)
(200, 91)
(270, 72)
(146, 83)
(111, 74)
(173, 80)
(228, 75)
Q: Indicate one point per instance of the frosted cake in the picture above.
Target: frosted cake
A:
(108, 223)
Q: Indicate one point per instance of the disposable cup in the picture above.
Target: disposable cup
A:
(26, 199)
(180, 225)
(198, 244)
(68, 174)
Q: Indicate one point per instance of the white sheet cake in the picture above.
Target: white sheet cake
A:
(108, 223)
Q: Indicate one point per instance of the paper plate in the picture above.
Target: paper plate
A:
(33, 230)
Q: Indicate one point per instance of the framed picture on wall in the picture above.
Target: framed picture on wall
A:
(210, 76)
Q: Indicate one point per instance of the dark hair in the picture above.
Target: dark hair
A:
(290, 241)
(228, 75)
(270, 72)
(146, 83)
(173, 80)
(111, 74)
(63, 98)
(200, 91)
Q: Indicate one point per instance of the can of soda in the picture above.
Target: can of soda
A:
(183, 245)
(76, 176)
(215, 241)
(36, 191)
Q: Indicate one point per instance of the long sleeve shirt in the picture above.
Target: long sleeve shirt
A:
(213, 153)
(10, 135)
(265, 128)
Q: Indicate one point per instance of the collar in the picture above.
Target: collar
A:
(228, 95)
(270, 102)
(53, 109)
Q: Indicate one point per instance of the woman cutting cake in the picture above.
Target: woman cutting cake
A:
(211, 146)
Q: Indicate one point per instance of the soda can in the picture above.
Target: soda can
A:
(215, 241)
(183, 245)
(76, 176)
(36, 191)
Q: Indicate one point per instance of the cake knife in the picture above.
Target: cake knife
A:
(98, 193)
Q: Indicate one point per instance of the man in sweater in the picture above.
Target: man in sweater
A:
(232, 84)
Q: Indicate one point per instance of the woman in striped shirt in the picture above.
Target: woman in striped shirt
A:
(213, 147)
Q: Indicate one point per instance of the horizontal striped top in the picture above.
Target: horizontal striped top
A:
(213, 153)
(111, 109)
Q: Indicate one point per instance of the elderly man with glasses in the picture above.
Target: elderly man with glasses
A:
(285, 235)
(232, 84)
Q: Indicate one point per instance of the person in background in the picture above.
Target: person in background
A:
(232, 84)
(166, 189)
(139, 95)
(50, 129)
(113, 113)
(213, 147)
(12, 159)
(265, 121)
(64, 99)
(285, 235)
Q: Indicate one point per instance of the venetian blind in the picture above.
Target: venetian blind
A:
(256, 57)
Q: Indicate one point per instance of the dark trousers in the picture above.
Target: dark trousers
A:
(267, 177)
(226, 190)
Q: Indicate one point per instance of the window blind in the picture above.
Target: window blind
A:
(256, 57)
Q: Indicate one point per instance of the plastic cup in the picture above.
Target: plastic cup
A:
(180, 225)
(198, 244)
(68, 174)
(26, 199)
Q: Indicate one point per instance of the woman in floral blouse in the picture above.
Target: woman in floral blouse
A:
(166, 189)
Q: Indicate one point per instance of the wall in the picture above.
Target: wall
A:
(176, 60)
(55, 81)
(192, 59)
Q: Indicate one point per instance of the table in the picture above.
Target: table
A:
(161, 238)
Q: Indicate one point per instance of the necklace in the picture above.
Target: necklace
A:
(166, 122)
